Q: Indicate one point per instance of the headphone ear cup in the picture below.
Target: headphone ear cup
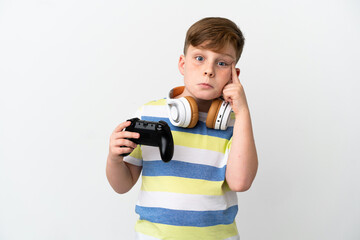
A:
(213, 112)
(194, 112)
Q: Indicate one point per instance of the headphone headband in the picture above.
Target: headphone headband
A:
(176, 92)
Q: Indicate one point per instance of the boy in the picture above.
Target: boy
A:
(194, 195)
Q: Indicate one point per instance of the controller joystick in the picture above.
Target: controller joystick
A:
(157, 134)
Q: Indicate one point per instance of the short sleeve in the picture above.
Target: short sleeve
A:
(227, 150)
(228, 146)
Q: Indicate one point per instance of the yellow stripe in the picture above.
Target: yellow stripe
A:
(136, 153)
(163, 231)
(199, 141)
(183, 185)
(158, 102)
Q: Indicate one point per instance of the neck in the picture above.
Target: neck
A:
(203, 105)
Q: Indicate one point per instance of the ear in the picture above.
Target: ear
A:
(237, 71)
(181, 64)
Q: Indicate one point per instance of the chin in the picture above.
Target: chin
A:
(207, 97)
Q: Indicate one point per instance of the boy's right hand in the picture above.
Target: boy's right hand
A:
(118, 142)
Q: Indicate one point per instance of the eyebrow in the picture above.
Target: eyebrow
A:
(220, 53)
(227, 55)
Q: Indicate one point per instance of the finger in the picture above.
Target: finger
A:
(121, 126)
(234, 75)
(230, 90)
(126, 134)
(233, 92)
(229, 86)
(124, 143)
(123, 150)
(226, 91)
(226, 96)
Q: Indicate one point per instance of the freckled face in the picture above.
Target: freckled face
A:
(206, 72)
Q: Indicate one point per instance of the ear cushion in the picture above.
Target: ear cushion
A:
(213, 112)
(194, 111)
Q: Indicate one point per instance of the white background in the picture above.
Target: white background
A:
(72, 70)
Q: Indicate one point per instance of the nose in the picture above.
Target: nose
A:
(210, 74)
(209, 71)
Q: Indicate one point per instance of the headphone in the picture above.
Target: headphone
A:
(183, 112)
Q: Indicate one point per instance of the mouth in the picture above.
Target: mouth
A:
(205, 85)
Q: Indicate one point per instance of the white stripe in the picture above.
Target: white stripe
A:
(133, 161)
(190, 202)
(186, 154)
(202, 116)
(140, 236)
(237, 237)
(200, 156)
(159, 111)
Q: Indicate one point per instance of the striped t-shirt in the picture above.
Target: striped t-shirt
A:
(188, 197)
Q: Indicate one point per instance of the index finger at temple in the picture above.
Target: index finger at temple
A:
(235, 78)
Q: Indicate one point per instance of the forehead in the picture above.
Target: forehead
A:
(227, 50)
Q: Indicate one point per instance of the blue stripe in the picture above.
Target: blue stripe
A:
(187, 218)
(183, 169)
(200, 128)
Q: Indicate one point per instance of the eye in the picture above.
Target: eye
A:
(223, 64)
(199, 58)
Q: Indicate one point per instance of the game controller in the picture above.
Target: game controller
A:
(157, 134)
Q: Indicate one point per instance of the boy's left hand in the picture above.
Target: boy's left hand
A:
(234, 92)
